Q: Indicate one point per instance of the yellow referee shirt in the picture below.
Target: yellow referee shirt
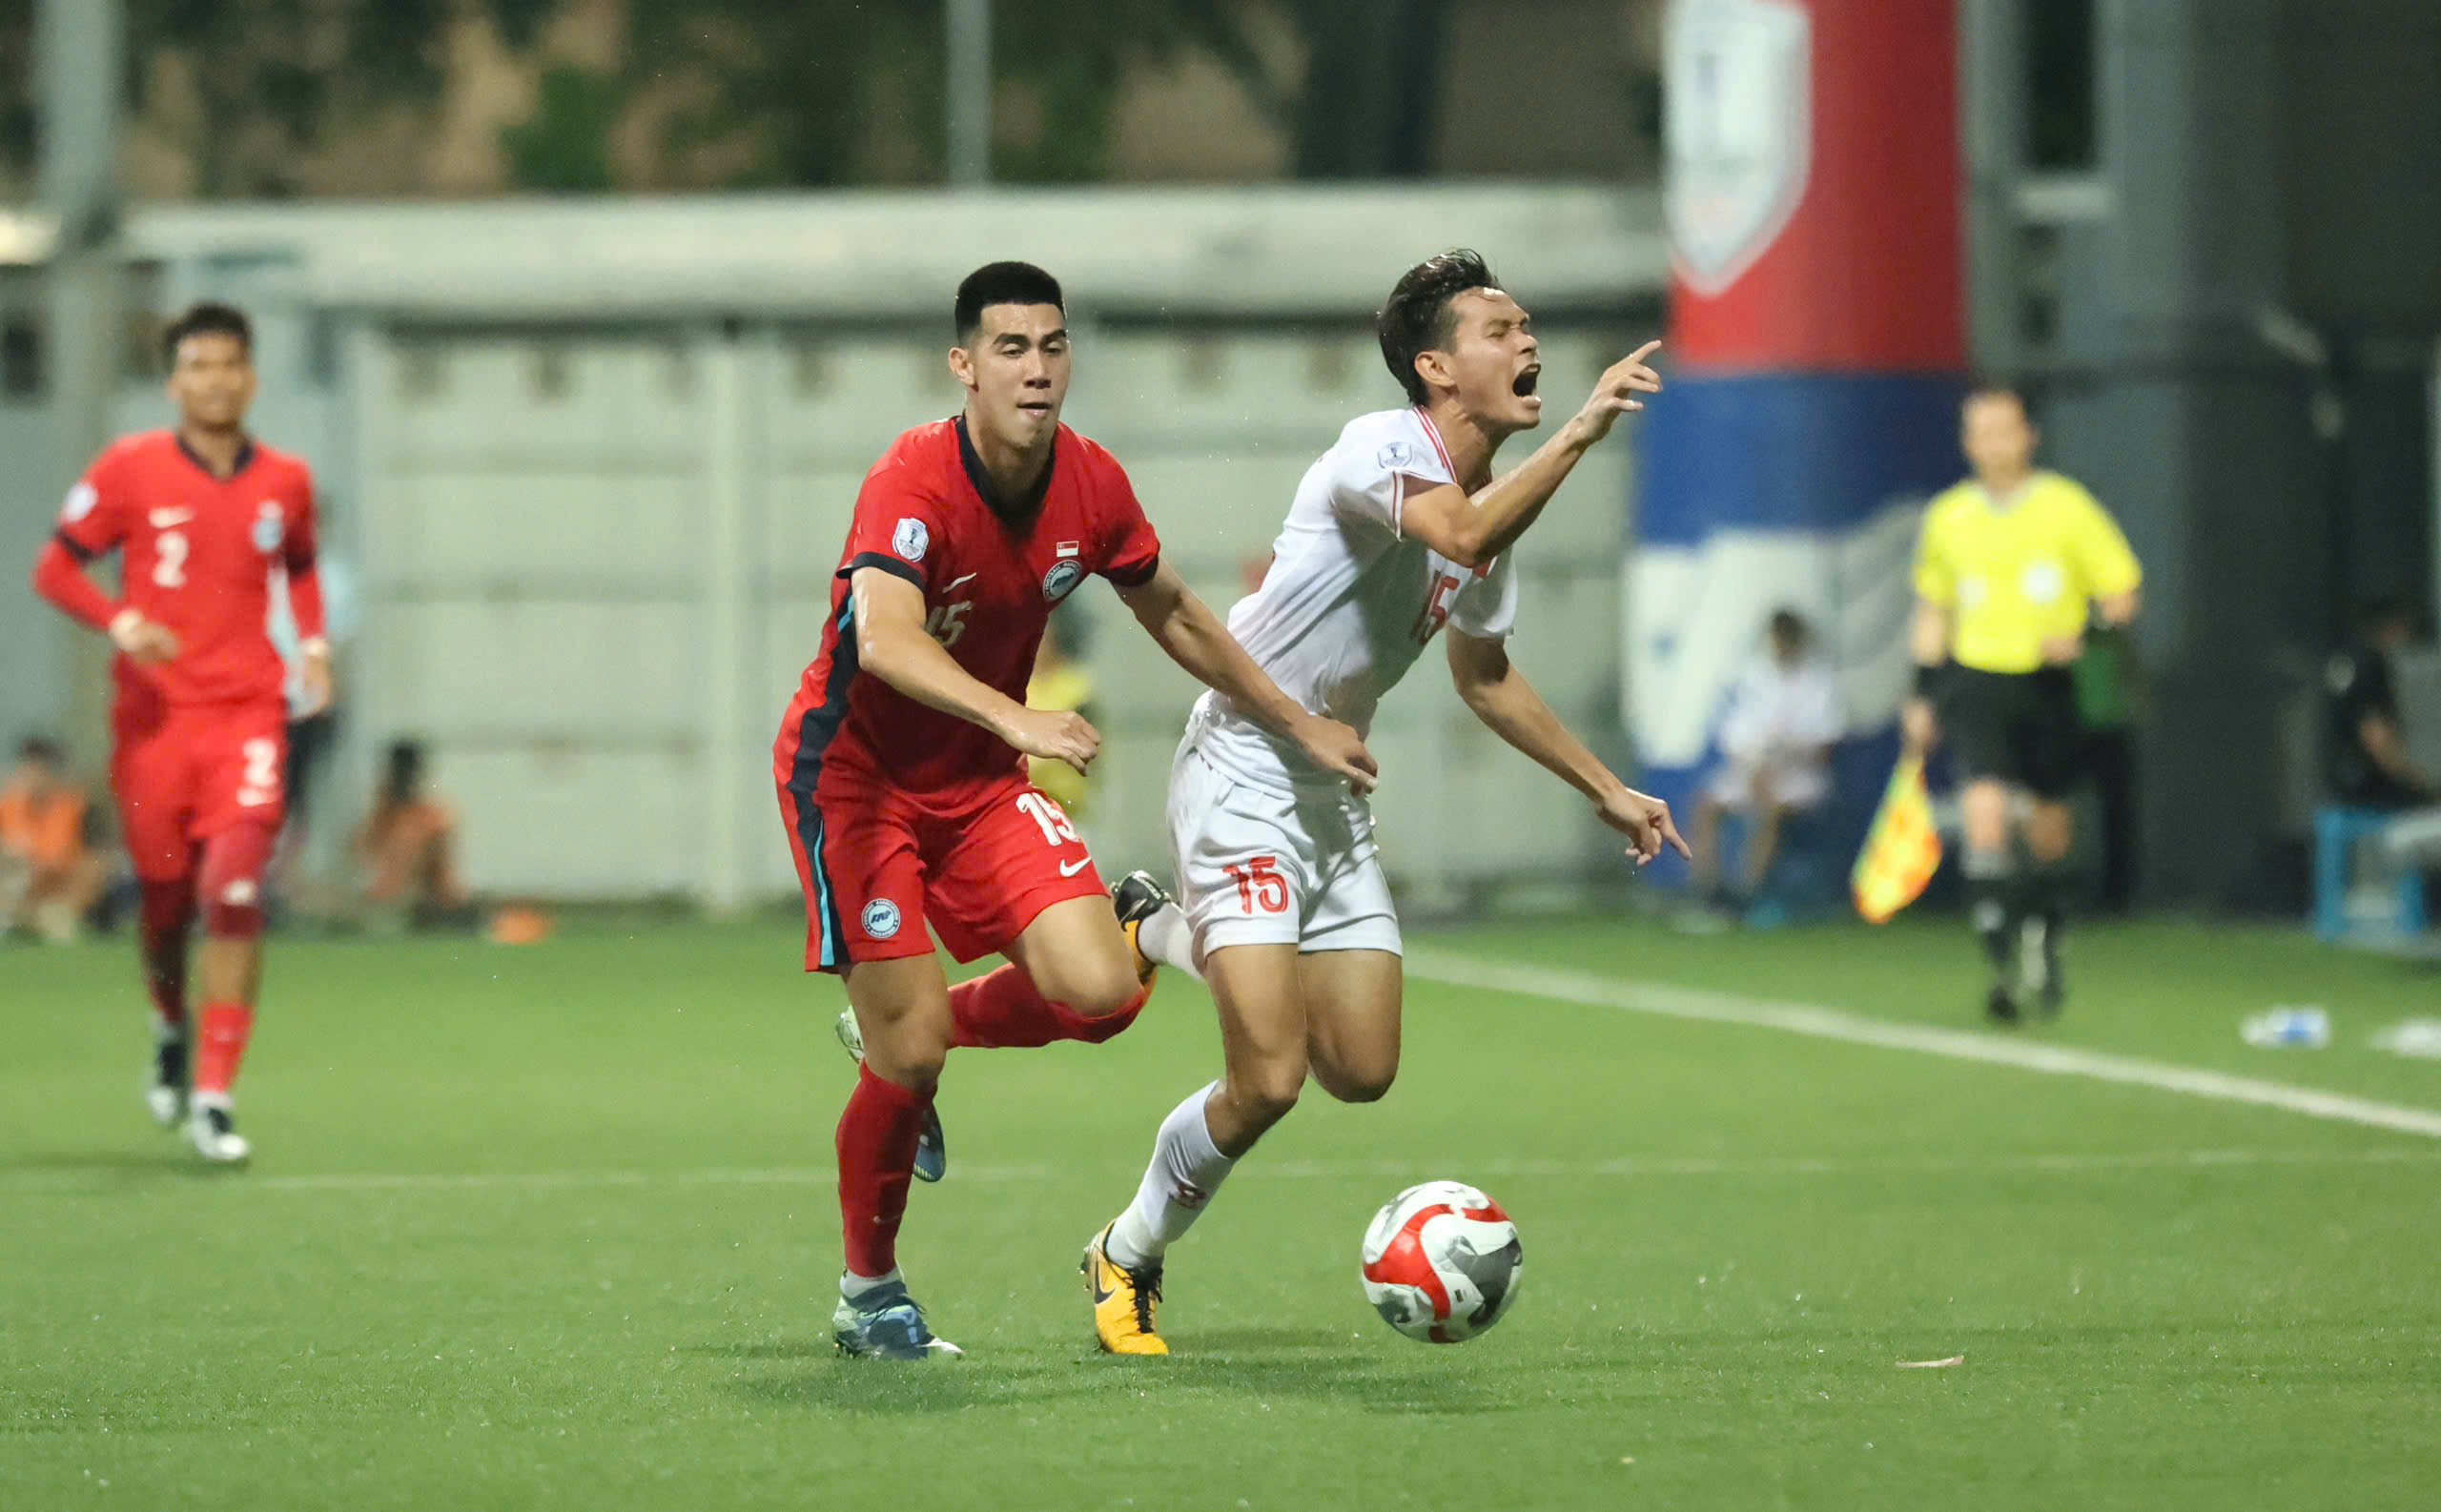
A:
(2015, 576)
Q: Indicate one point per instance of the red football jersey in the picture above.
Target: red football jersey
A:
(199, 552)
(990, 576)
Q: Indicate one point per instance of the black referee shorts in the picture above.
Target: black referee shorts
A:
(2020, 728)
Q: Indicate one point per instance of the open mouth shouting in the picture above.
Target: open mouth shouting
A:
(1527, 380)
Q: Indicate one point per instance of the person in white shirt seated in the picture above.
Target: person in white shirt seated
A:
(1775, 740)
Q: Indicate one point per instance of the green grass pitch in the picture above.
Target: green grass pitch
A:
(553, 1227)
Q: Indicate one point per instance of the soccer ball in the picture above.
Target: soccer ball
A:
(1441, 1262)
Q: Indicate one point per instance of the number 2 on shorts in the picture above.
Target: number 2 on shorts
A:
(261, 784)
(1261, 886)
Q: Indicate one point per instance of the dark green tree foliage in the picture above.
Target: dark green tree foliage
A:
(17, 91)
(828, 91)
(565, 145)
(275, 76)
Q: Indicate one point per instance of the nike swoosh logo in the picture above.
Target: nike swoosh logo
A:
(1071, 868)
(955, 582)
(1094, 1283)
(164, 518)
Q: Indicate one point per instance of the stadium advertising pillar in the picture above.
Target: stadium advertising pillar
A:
(1814, 349)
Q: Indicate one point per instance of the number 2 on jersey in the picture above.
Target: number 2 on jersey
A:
(170, 560)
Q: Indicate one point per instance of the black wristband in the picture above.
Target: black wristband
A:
(1928, 680)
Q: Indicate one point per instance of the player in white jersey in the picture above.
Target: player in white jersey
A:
(1399, 530)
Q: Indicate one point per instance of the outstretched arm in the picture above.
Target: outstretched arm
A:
(1473, 529)
(892, 645)
(1196, 640)
(1511, 709)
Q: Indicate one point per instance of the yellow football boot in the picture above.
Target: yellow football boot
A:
(1124, 1301)
(1137, 897)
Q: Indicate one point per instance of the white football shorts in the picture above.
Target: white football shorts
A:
(1257, 864)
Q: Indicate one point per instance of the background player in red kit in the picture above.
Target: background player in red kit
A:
(901, 762)
(202, 515)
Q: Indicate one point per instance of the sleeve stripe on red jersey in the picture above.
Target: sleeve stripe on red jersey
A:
(887, 564)
(1133, 577)
(74, 547)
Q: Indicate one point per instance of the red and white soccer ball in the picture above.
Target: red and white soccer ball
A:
(1441, 1262)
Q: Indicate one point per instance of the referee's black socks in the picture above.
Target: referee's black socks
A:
(2047, 893)
(1994, 901)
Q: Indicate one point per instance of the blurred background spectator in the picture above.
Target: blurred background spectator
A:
(1775, 737)
(52, 875)
(2366, 762)
(407, 851)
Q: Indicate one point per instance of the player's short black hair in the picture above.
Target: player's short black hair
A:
(402, 770)
(1787, 624)
(1417, 318)
(42, 748)
(211, 317)
(1002, 283)
(1991, 387)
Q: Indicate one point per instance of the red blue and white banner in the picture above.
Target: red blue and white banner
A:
(1817, 342)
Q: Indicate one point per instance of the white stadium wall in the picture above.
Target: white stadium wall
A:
(593, 465)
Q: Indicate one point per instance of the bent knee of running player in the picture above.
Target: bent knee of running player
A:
(230, 885)
(1077, 957)
(902, 1009)
(1353, 1008)
(1263, 1037)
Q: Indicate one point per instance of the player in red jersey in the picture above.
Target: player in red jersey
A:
(202, 515)
(901, 763)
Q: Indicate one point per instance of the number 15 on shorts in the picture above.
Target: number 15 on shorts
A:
(1057, 829)
(1261, 888)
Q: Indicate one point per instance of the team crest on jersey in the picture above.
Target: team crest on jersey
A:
(911, 540)
(269, 529)
(81, 500)
(1397, 457)
(1064, 574)
(881, 915)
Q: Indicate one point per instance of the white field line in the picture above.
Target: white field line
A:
(1957, 1044)
(1626, 1167)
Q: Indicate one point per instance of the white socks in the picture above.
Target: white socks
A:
(1166, 938)
(1187, 1169)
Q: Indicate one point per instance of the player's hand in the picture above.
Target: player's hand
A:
(1615, 395)
(1340, 748)
(1645, 820)
(142, 641)
(1918, 725)
(1054, 735)
(2058, 650)
(313, 670)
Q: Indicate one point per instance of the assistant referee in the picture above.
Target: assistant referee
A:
(2014, 564)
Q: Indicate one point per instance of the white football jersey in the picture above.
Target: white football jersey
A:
(1351, 600)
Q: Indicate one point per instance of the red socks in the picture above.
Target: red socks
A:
(876, 1160)
(222, 1045)
(1002, 1011)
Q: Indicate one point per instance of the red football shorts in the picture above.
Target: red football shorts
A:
(876, 864)
(183, 774)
